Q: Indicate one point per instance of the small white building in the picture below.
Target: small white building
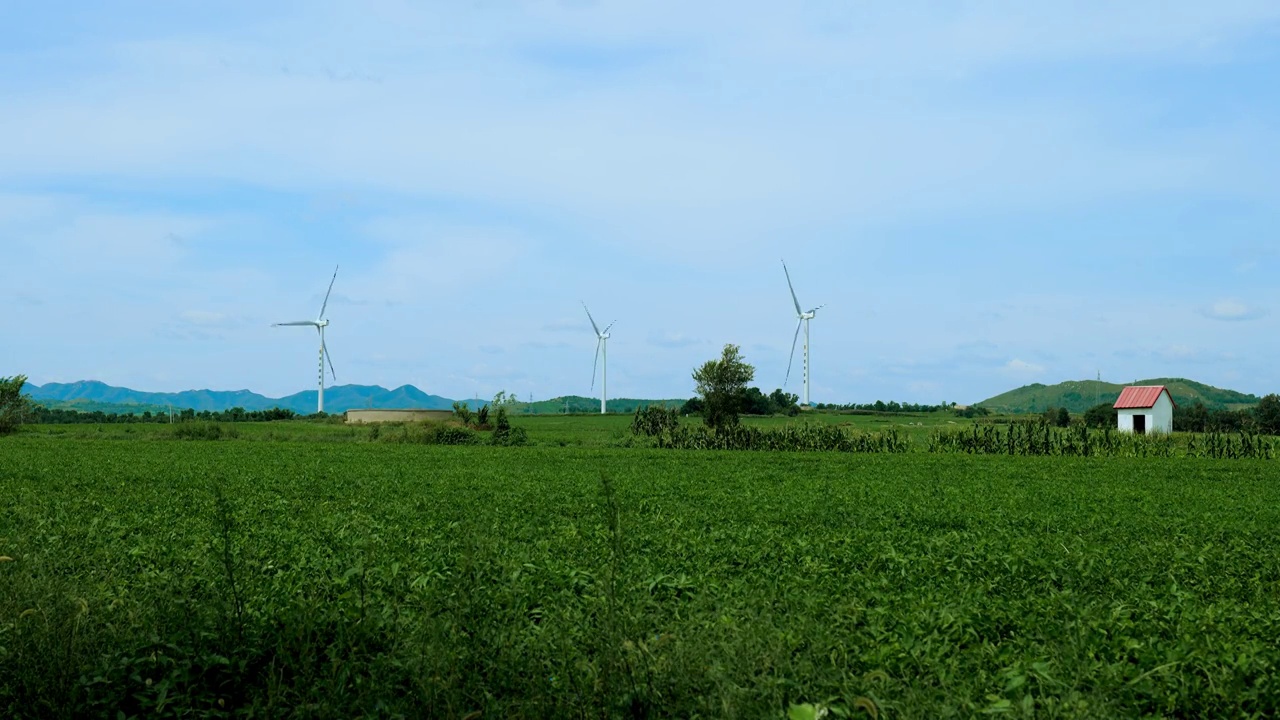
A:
(1145, 409)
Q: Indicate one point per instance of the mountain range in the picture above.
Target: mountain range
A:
(91, 395)
(1080, 395)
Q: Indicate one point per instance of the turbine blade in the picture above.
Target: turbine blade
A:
(609, 327)
(326, 357)
(793, 352)
(593, 320)
(818, 308)
(596, 364)
(326, 295)
(297, 323)
(791, 288)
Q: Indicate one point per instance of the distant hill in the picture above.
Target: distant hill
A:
(579, 404)
(91, 395)
(1080, 395)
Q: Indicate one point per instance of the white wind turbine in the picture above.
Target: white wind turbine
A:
(602, 350)
(803, 318)
(319, 324)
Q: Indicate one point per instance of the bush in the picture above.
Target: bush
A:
(462, 413)
(504, 434)
(202, 430)
(818, 437)
(429, 433)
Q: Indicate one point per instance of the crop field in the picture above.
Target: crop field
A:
(301, 571)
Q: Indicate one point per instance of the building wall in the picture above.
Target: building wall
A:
(1159, 417)
(1163, 414)
(360, 417)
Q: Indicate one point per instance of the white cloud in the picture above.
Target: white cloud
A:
(1022, 367)
(1233, 310)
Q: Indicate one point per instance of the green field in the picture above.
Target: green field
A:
(301, 570)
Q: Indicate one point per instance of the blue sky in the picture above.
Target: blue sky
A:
(984, 194)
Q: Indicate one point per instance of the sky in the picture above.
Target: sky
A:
(983, 194)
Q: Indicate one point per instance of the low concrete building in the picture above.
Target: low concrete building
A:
(1145, 409)
(362, 417)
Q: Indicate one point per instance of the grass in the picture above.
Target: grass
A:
(260, 577)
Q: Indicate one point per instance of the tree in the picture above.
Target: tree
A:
(1267, 415)
(13, 404)
(1191, 418)
(784, 402)
(1057, 417)
(1102, 415)
(722, 385)
(755, 402)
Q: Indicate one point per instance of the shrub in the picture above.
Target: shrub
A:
(504, 434)
(462, 413)
(203, 430)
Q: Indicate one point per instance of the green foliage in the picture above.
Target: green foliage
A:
(302, 579)
(14, 406)
(428, 432)
(463, 413)
(1037, 437)
(203, 430)
(806, 437)
(722, 385)
(1102, 416)
(1267, 415)
(504, 434)
(654, 421)
(1057, 417)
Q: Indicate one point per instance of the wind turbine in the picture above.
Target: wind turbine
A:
(602, 349)
(320, 323)
(803, 317)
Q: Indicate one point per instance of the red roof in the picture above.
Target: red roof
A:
(1141, 397)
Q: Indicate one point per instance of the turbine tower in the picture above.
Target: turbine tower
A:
(320, 323)
(803, 317)
(602, 350)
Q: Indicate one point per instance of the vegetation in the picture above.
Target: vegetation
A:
(356, 579)
(722, 387)
(61, 416)
(1103, 416)
(1057, 417)
(1079, 396)
(881, 406)
(1040, 437)
(14, 406)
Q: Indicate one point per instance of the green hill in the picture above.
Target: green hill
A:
(1080, 395)
(579, 404)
